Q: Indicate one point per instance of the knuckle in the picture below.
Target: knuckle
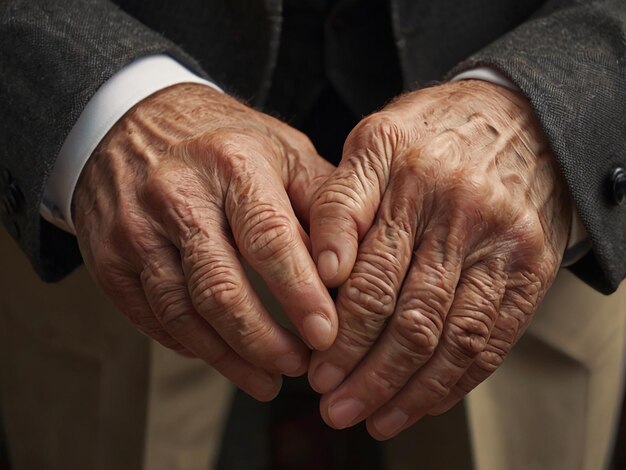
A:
(213, 286)
(370, 147)
(467, 336)
(506, 330)
(433, 292)
(487, 363)
(382, 266)
(370, 169)
(382, 125)
(399, 225)
(371, 293)
(465, 385)
(417, 334)
(431, 299)
(436, 299)
(338, 207)
(222, 142)
(167, 295)
(169, 192)
(483, 290)
(256, 338)
(197, 249)
(157, 185)
(217, 294)
(528, 235)
(169, 299)
(229, 151)
(270, 233)
(178, 323)
(525, 291)
(435, 388)
(340, 194)
(357, 334)
(382, 383)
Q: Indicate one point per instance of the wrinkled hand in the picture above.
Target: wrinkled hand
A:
(183, 186)
(447, 219)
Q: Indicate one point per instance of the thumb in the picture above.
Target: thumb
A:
(346, 204)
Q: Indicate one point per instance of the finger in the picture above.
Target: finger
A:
(267, 234)
(468, 329)
(368, 297)
(214, 279)
(138, 309)
(306, 173)
(119, 281)
(421, 309)
(165, 287)
(407, 343)
(216, 290)
(348, 201)
(515, 315)
(186, 353)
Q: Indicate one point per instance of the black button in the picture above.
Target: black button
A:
(618, 185)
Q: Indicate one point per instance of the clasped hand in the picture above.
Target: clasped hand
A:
(443, 227)
(185, 187)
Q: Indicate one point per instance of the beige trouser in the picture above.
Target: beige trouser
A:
(555, 401)
(80, 389)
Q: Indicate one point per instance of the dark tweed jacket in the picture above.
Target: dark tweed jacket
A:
(567, 56)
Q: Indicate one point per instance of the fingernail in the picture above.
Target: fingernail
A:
(327, 265)
(391, 422)
(344, 412)
(317, 330)
(288, 363)
(266, 386)
(327, 377)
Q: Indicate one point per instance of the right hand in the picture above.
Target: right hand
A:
(185, 185)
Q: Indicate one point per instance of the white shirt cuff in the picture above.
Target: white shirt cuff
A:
(578, 243)
(119, 94)
(486, 74)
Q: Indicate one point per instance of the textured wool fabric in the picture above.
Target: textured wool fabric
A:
(53, 58)
(570, 61)
(567, 56)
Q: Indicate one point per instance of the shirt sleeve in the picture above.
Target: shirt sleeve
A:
(578, 244)
(130, 85)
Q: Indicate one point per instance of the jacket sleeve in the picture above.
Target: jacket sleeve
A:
(54, 55)
(569, 60)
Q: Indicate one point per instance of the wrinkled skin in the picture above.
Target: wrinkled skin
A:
(184, 186)
(444, 225)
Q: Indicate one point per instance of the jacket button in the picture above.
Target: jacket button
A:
(618, 185)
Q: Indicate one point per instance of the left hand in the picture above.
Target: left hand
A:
(445, 225)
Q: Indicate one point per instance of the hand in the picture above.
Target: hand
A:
(444, 224)
(185, 185)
